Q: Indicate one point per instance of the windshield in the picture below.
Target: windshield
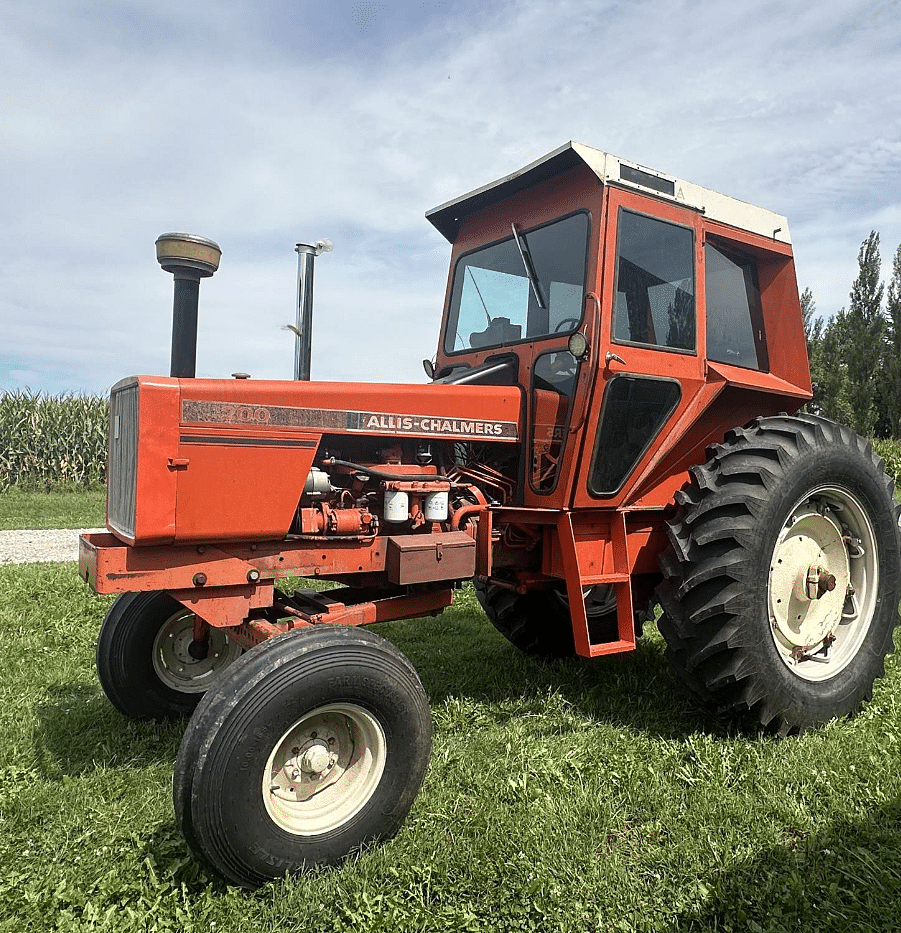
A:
(509, 291)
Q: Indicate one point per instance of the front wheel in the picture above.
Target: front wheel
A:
(309, 747)
(783, 579)
(144, 661)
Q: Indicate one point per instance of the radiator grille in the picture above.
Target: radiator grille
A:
(123, 459)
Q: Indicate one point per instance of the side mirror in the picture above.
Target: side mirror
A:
(429, 368)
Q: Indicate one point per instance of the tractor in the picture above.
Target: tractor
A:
(612, 421)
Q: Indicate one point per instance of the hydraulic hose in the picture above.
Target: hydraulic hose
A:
(384, 474)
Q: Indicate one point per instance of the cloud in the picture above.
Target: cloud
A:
(263, 126)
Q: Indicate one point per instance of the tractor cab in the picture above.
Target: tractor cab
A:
(624, 303)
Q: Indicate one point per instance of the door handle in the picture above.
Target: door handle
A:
(611, 357)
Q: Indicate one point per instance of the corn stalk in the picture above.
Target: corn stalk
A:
(52, 441)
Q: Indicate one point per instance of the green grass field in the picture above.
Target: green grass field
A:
(73, 508)
(581, 796)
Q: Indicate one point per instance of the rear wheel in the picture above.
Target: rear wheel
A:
(311, 746)
(782, 586)
(144, 661)
(539, 623)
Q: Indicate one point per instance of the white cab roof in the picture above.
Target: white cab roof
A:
(612, 170)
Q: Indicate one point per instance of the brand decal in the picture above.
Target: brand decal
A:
(430, 424)
(324, 419)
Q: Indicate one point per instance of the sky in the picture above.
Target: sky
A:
(266, 124)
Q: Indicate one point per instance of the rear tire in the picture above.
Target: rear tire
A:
(143, 663)
(782, 583)
(539, 623)
(309, 747)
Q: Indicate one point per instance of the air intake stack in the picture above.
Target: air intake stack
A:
(189, 258)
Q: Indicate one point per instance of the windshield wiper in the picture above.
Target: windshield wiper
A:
(527, 264)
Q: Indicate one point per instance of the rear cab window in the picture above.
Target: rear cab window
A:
(735, 332)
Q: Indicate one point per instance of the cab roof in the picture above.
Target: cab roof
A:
(611, 170)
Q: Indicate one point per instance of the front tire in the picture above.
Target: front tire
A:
(783, 581)
(309, 747)
(143, 662)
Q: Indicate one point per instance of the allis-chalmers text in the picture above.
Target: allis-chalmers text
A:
(194, 411)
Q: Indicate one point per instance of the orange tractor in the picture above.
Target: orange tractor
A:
(604, 429)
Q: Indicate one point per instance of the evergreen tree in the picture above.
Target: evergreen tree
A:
(890, 383)
(808, 309)
(829, 370)
(813, 333)
(864, 335)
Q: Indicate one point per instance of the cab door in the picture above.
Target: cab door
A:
(650, 363)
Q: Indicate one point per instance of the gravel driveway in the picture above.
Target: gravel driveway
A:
(27, 547)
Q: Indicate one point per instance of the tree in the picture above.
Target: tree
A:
(813, 332)
(681, 312)
(808, 309)
(864, 344)
(890, 383)
(829, 369)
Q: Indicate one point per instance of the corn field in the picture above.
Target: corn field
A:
(49, 441)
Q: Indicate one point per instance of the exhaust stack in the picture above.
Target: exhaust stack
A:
(189, 258)
(303, 345)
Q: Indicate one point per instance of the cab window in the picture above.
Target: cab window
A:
(525, 286)
(734, 313)
(654, 300)
(554, 378)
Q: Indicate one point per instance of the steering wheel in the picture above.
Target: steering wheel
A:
(567, 322)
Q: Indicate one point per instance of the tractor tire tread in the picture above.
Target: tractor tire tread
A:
(706, 586)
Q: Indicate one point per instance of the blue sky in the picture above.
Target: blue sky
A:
(259, 125)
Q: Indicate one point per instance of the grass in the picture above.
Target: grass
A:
(66, 508)
(581, 796)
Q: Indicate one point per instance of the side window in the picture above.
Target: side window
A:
(553, 383)
(734, 314)
(635, 409)
(655, 285)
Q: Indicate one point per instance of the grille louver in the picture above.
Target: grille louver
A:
(122, 466)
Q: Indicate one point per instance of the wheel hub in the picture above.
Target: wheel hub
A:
(315, 756)
(324, 769)
(819, 582)
(177, 666)
(803, 611)
(316, 759)
(824, 557)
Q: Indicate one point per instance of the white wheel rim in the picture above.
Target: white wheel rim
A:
(324, 769)
(175, 666)
(827, 541)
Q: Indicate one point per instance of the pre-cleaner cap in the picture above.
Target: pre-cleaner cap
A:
(179, 252)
